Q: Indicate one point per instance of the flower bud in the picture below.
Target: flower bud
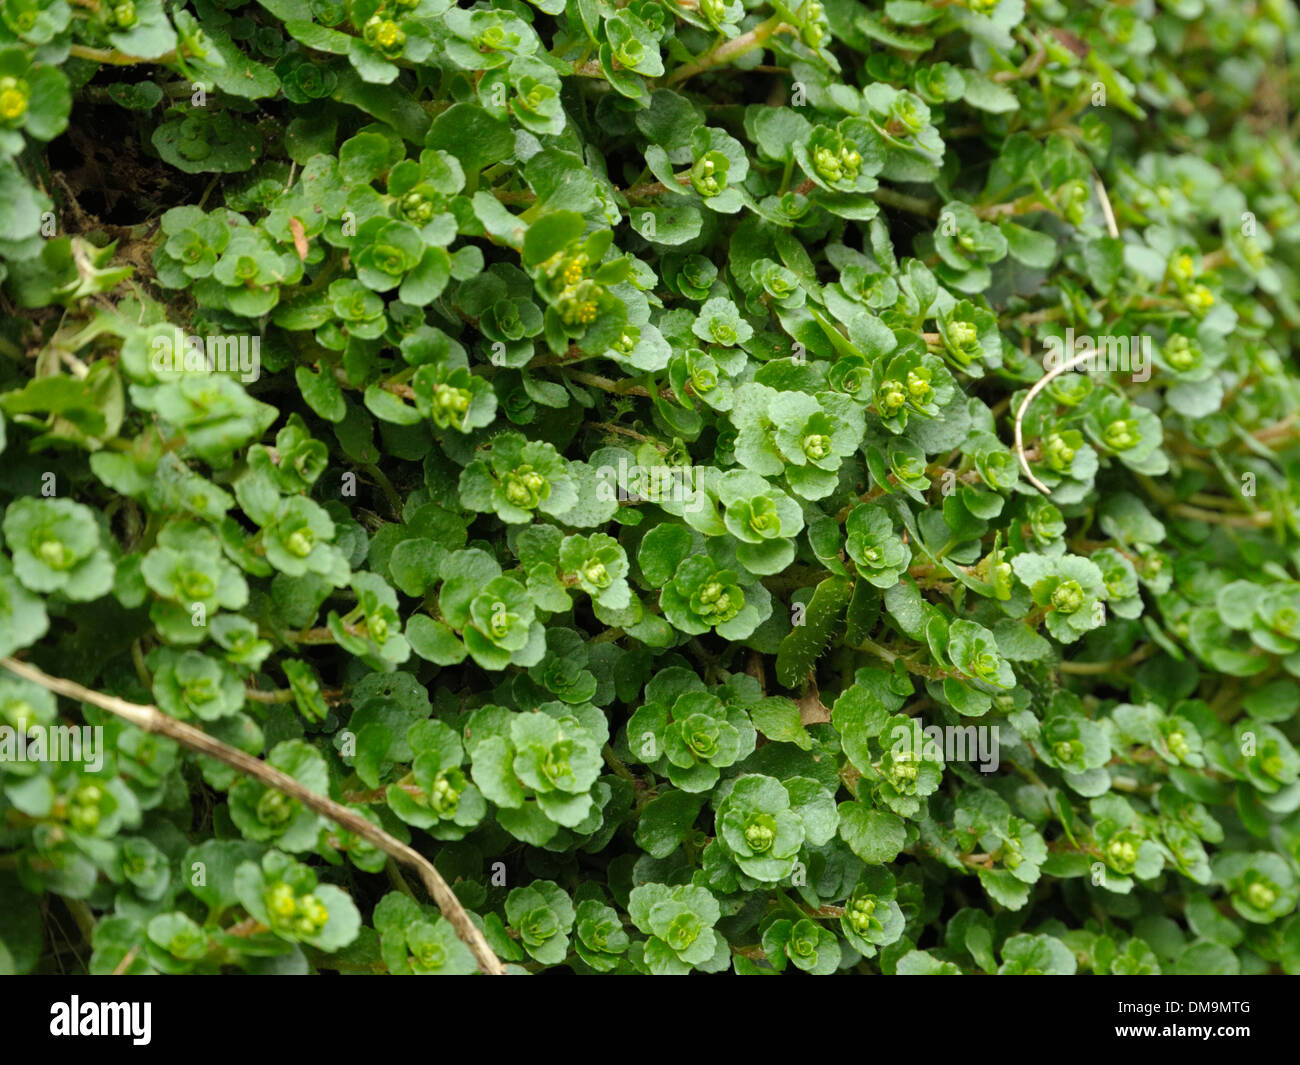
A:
(759, 836)
(1059, 454)
(1182, 268)
(300, 542)
(444, 796)
(861, 914)
(1200, 299)
(280, 901)
(1181, 353)
(1121, 434)
(275, 808)
(827, 164)
(1261, 895)
(964, 334)
(14, 95)
(1177, 744)
(56, 555)
(703, 379)
(890, 397)
(384, 34)
(1068, 597)
(122, 15)
(816, 446)
(919, 390)
(596, 573)
(1122, 853)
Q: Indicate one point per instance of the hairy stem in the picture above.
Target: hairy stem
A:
(733, 49)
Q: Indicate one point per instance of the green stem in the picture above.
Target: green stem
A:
(257, 695)
(398, 881)
(81, 913)
(785, 176)
(393, 496)
(1112, 665)
(903, 202)
(1259, 519)
(622, 388)
(141, 669)
(890, 657)
(112, 57)
(322, 278)
(617, 764)
(727, 51)
(313, 636)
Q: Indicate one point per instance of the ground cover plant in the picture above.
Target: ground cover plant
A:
(740, 486)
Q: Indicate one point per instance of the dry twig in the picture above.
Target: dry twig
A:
(1038, 386)
(151, 719)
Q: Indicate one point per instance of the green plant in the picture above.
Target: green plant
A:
(605, 457)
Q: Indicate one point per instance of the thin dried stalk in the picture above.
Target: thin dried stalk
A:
(1113, 229)
(151, 719)
(1108, 212)
(1038, 386)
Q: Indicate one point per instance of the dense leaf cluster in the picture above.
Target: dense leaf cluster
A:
(580, 436)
